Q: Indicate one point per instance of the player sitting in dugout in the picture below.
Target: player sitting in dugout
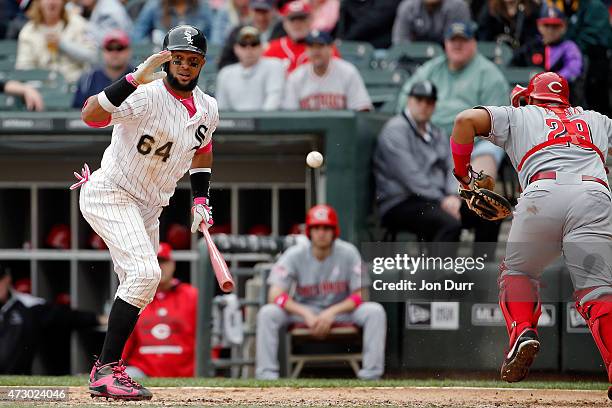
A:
(327, 274)
(163, 341)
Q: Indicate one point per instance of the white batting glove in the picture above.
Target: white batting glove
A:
(202, 215)
(145, 72)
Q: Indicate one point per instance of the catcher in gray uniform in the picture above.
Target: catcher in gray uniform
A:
(559, 152)
(327, 275)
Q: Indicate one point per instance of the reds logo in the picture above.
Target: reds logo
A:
(321, 214)
(189, 37)
(552, 88)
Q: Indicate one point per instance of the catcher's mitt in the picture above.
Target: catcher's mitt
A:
(486, 204)
(481, 198)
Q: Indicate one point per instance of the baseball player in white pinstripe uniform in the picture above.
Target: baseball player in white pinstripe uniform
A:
(163, 126)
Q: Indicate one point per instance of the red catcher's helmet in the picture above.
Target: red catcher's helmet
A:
(549, 86)
(322, 215)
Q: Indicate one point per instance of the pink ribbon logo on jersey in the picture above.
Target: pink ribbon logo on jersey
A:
(82, 178)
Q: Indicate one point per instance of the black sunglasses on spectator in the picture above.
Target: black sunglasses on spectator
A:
(115, 48)
(249, 43)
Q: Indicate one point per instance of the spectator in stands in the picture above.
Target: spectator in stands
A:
(509, 21)
(367, 20)
(158, 16)
(254, 83)
(325, 14)
(415, 187)
(264, 19)
(329, 290)
(325, 82)
(427, 20)
(589, 27)
(12, 17)
(116, 54)
(464, 79)
(31, 97)
(235, 13)
(550, 50)
(105, 16)
(297, 20)
(25, 321)
(55, 39)
(163, 341)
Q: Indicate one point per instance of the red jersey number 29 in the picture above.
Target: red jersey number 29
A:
(558, 129)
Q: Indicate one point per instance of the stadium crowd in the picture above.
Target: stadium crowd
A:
(288, 55)
(92, 42)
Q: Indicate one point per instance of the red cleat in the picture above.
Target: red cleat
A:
(520, 357)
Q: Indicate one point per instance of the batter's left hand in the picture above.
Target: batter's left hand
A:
(202, 215)
(324, 323)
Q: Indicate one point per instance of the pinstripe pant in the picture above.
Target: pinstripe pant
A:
(131, 232)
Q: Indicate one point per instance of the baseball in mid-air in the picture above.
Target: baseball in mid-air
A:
(314, 159)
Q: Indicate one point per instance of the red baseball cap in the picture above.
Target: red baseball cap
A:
(118, 36)
(164, 252)
(296, 7)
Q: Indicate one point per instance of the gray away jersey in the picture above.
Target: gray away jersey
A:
(517, 130)
(319, 283)
(154, 141)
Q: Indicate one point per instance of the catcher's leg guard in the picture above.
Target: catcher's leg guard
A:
(598, 314)
(519, 301)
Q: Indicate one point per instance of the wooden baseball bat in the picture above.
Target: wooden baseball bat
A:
(222, 272)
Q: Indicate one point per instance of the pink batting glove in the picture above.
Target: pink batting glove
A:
(202, 215)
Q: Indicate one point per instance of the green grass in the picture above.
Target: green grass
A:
(306, 383)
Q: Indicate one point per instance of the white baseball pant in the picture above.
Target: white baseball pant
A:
(131, 232)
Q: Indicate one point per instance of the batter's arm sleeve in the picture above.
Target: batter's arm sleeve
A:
(275, 82)
(284, 271)
(357, 96)
(290, 99)
(398, 157)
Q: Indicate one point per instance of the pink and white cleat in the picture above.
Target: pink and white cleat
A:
(111, 381)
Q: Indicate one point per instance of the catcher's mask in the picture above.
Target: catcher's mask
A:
(323, 215)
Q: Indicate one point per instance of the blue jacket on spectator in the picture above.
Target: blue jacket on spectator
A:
(92, 83)
(151, 19)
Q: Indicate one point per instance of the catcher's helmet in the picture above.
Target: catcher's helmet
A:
(185, 38)
(322, 215)
(549, 86)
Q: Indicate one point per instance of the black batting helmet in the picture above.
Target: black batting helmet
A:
(185, 38)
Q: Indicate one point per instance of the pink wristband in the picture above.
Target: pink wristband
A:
(461, 149)
(130, 78)
(281, 300)
(200, 200)
(356, 298)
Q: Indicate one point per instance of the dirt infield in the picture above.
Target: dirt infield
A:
(359, 396)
